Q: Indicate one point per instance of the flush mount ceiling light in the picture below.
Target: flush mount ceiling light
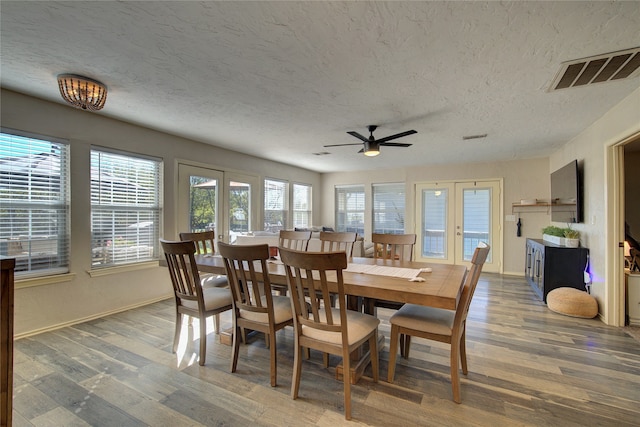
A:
(82, 92)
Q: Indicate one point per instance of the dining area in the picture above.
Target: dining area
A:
(329, 300)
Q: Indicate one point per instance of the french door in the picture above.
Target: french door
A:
(453, 217)
(210, 199)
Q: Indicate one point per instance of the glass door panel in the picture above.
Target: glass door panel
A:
(434, 240)
(240, 194)
(199, 198)
(477, 220)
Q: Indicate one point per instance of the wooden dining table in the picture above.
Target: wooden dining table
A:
(441, 286)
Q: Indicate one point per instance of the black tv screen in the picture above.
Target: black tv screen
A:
(566, 197)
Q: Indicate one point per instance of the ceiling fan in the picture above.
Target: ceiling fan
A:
(371, 145)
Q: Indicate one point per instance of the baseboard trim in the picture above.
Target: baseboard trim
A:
(86, 319)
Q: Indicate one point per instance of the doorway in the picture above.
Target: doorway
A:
(215, 200)
(453, 217)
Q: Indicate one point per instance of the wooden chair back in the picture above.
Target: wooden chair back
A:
(184, 274)
(307, 274)
(296, 240)
(471, 281)
(247, 283)
(393, 246)
(204, 241)
(338, 241)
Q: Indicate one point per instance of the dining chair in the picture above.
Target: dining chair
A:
(205, 244)
(191, 298)
(447, 326)
(393, 246)
(331, 241)
(296, 240)
(254, 306)
(336, 331)
(390, 247)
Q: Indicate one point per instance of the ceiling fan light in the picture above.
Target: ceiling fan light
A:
(371, 149)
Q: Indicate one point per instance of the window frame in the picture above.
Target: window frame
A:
(111, 204)
(53, 203)
(342, 211)
(302, 215)
(380, 213)
(284, 222)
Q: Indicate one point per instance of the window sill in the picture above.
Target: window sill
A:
(45, 280)
(123, 268)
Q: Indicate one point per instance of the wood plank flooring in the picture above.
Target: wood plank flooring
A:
(528, 366)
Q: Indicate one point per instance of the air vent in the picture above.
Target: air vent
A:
(598, 69)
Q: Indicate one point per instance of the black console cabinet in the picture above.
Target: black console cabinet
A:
(549, 266)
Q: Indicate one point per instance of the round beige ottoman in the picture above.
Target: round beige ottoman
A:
(572, 302)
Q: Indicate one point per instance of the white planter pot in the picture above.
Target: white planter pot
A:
(571, 243)
(553, 239)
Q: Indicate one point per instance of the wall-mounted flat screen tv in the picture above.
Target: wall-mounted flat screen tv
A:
(566, 194)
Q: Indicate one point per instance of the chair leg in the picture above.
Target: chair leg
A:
(203, 340)
(216, 324)
(325, 360)
(393, 351)
(346, 380)
(236, 347)
(455, 375)
(407, 345)
(297, 367)
(463, 352)
(274, 360)
(176, 335)
(375, 356)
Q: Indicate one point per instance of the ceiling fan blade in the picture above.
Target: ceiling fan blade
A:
(398, 135)
(394, 144)
(340, 145)
(361, 150)
(357, 135)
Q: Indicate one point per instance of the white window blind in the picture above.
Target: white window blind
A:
(388, 208)
(350, 208)
(34, 203)
(301, 205)
(276, 201)
(125, 208)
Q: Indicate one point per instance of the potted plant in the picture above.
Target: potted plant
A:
(553, 234)
(571, 237)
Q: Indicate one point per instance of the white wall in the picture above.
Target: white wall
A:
(45, 306)
(523, 179)
(590, 148)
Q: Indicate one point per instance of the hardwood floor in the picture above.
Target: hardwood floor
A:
(527, 366)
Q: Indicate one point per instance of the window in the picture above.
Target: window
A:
(276, 205)
(388, 208)
(34, 203)
(125, 208)
(350, 208)
(301, 205)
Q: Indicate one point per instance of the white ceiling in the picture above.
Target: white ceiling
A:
(279, 80)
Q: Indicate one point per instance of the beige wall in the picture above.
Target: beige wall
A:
(82, 297)
(522, 179)
(590, 148)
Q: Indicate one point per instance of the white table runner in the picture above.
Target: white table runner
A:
(379, 270)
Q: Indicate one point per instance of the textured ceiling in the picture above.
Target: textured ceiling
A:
(281, 79)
